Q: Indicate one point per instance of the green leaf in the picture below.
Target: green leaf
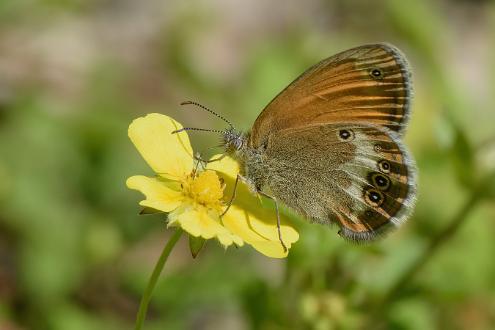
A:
(195, 245)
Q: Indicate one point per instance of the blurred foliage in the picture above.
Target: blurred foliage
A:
(74, 254)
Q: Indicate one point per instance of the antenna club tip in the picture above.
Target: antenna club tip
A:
(186, 102)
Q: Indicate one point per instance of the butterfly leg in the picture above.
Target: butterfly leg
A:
(232, 197)
(278, 218)
(198, 158)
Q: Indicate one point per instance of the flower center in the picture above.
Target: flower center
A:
(205, 188)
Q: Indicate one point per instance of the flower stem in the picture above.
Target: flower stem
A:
(145, 300)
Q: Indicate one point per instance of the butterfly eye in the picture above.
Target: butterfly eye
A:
(376, 73)
(346, 135)
(380, 181)
(373, 197)
(384, 166)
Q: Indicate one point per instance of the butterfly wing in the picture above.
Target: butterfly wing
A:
(358, 176)
(368, 84)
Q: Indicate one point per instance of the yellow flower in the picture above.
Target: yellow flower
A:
(195, 201)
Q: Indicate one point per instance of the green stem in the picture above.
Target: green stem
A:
(145, 300)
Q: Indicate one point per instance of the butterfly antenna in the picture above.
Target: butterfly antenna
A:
(196, 129)
(210, 111)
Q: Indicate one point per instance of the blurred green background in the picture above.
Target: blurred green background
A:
(74, 254)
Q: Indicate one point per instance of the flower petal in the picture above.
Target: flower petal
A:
(198, 223)
(159, 195)
(247, 225)
(169, 155)
(226, 166)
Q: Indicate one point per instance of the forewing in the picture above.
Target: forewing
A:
(368, 84)
(358, 176)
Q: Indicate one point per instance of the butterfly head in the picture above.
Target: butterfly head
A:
(233, 140)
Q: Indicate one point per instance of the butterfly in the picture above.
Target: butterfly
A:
(329, 146)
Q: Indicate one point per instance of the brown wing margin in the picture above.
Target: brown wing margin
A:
(370, 84)
(399, 196)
